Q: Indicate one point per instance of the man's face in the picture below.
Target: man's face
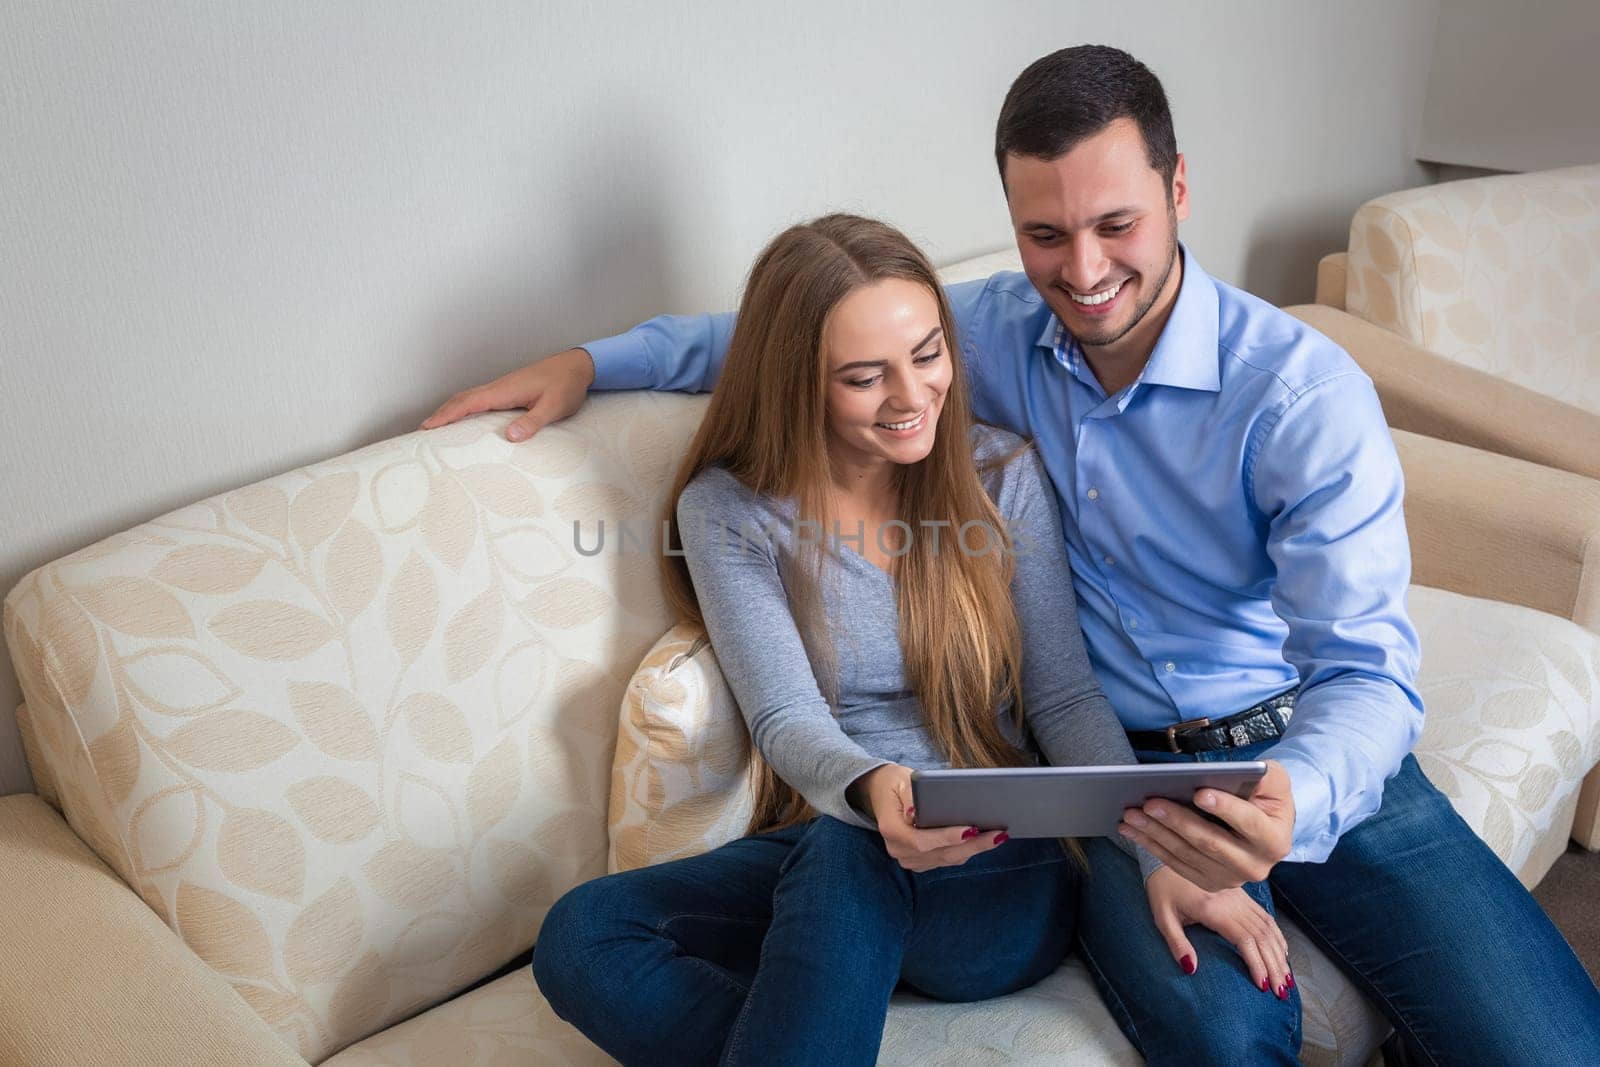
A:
(1097, 232)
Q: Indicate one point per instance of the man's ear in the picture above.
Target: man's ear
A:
(1180, 190)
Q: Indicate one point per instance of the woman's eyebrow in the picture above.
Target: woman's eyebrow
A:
(858, 364)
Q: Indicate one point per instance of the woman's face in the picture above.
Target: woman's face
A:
(888, 371)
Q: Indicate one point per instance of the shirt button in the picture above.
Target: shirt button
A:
(1110, 562)
(1133, 624)
(1094, 494)
(1170, 667)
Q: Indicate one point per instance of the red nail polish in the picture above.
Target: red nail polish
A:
(911, 813)
(969, 833)
(1264, 987)
(1002, 837)
(1187, 963)
(1289, 981)
(1283, 993)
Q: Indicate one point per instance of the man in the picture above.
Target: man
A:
(1232, 506)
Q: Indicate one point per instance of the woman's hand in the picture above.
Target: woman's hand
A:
(885, 794)
(1176, 902)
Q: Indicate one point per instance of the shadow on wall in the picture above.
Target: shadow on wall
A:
(581, 262)
(1282, 249)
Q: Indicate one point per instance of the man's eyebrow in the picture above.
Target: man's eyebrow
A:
(860, 363)
(1103, 217)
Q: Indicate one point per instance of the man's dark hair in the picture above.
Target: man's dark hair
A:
(1071, 95)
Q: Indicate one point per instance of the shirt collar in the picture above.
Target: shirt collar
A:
(1185, 355)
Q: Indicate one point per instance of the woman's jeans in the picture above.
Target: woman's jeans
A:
(1417, 911)
(784, 948)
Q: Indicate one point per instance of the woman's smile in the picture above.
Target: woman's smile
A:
(906, 427)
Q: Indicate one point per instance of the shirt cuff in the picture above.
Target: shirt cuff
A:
(620, 362)
(1313, 808)
(1148, 864)
(835, 801)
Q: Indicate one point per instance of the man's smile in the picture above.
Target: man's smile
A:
(1100, 302)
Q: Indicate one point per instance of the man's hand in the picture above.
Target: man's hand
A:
(1258, 833)
(885, 793)
(550, 389)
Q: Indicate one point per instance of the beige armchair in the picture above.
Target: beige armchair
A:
(1485, 296)
(1498, 274)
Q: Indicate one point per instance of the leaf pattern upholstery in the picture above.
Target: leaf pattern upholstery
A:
(1499, 273)
(348, 730)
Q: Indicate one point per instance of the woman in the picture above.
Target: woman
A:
(878, 602)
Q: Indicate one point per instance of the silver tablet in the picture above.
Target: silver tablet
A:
(1065, 801)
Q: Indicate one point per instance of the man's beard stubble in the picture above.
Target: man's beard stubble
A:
(1149, 298)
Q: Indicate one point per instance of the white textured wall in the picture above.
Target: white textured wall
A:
(235, 238)
(1513, 87)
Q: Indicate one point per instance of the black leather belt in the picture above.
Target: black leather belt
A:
(1262, 722)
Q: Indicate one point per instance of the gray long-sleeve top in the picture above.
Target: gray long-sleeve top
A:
(734, 541)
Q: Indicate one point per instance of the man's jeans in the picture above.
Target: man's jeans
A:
(1412, 905)
(784, 948)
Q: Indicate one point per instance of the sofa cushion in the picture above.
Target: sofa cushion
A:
(681, 779)
(504, 1023)
(1058, 1020)
(1513, 719)
(348, 731)
(508, 1022)
(1499, 273)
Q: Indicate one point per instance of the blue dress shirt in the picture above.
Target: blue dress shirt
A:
(1232, 517)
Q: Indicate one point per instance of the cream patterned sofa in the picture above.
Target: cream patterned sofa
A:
(1475, 307)
(314, 757)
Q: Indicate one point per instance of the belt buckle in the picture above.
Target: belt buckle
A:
(1172, 731)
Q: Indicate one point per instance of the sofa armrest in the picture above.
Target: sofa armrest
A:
(1501, 528)
(1333, 271)
(89, 974)
(1426, 393)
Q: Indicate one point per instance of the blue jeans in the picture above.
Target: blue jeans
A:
(784, 948)
(1413, 907)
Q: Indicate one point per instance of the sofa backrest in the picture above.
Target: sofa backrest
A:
(1499, 273)
(349, 730)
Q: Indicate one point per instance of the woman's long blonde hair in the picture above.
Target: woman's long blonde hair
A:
(767, 424)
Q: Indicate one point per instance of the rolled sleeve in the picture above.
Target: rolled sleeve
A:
(681, 353)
